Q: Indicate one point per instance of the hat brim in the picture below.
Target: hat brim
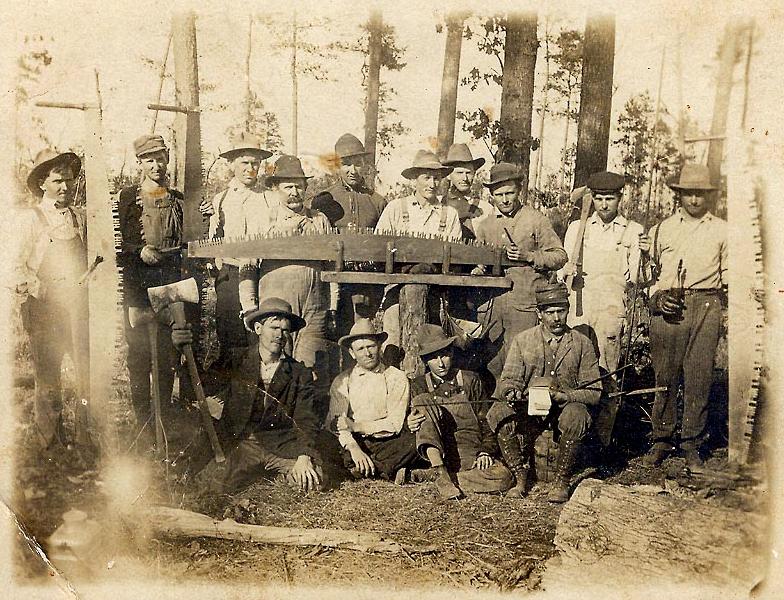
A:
(352, 154)
(476, 163)
(36, 175)
(491, 184)
(699, 186)
(235, 152)
(380, 337)
(152, 151)
(559, 302)
(414, 172)
(436, 346)
(297, 322)
(271, 179)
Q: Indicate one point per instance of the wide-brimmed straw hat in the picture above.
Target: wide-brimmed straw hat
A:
(362, 329)
(45, 161)
(425, 161)
(432, 338)
(693, 177)
(287, 167)
(245, 143)
(460, 154)
(274, 307)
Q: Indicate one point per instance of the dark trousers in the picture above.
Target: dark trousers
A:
(685, 347)
(572, 420)
(388, 454)
(229, 327)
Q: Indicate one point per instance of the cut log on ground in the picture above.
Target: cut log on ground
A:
(177, 523)
(642, 535)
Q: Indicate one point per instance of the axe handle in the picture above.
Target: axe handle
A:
(178, 314)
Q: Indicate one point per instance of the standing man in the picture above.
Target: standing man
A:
(530, 241)
(150, 217)
(609, 253)
(469, 209)
(368, 405)
(561, 360)
(452, 433)
(236, 212)
(689, 252)
(50, 259)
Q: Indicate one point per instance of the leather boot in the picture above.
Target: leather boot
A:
(568, 451)
(446, 488)
(512, 453)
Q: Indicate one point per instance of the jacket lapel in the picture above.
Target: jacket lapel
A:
(279, 381)
(563, 349)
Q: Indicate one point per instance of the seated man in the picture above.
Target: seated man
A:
(449, 407)
(368, 406)
(567, 359)
(268, 423)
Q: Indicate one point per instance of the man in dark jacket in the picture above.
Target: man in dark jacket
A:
(268, 423)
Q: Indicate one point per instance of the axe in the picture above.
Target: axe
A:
(145, 317)
(173, 296)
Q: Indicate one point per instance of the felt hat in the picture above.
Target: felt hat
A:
(287, 167)
(349, 145)
(147, 144)
(432, 338)
(425, 161)
(693, 177)
(460, 154)
(605, 182)
(552, 294)
(245, 143)
(502, 172)
(274, 307)
(44, 162)
(362, 329)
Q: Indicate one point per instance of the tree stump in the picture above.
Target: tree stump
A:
(617, 534)
(413, 314)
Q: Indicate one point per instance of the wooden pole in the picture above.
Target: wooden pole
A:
(161, 79)
(187, 126)
(294, 86)
(375, 24)
(248, 93)
(747, 73)
(517, 91)
(449, 83)
(679, 79)
(593, 128)
(413, 308)
(545, 106)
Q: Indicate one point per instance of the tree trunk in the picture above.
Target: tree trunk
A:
(449, 83)
(540, 152)
(374, 83)
(562, 177)
(248, 94)
(294, 88)
(187, 126)
(593, 128)
(641, 534)
(413, 308)
(517, 93)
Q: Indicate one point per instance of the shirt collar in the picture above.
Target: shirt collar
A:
(50, 205)
(437, 381)
(618, 220)
(708, 216)
(424, 204)
(549, 336)
(359, 371)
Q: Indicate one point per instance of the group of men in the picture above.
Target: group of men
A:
(284, 411)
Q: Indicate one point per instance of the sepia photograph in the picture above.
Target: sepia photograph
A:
(362, 299)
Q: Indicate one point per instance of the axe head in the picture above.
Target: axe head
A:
(181, 291)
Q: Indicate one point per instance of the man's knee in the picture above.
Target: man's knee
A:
(500, 415)
(574, 421)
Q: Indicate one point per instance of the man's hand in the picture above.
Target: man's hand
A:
(559, 397)
(479, 270)
(362, 462)
(665, 302)
(414, 420)
(513, 395)
(150, 255)
(645, 244)
(513, 252)
(331, 325)
(181, 336)
(304, 474)
(344, 423)
(205, 208)
(483, 461)
(569, 269)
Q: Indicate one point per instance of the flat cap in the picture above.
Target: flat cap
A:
(148, 143)
(606, 181)
(551, 294)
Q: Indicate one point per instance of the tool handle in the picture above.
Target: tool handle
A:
(177, 310)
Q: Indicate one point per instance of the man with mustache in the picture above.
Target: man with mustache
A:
(689, 254)
(49, 261)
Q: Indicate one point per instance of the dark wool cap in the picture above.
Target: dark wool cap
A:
(606, 181)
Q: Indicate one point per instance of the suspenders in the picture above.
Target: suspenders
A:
(441, 222)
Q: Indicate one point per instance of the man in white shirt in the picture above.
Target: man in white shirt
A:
(609, 255)
(49, 261)
(367, 410)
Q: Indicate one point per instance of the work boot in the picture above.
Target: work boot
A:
(423, 475)
(564, 469)
(445, 487)
(512, 453)
(656, 455)
(692, 456)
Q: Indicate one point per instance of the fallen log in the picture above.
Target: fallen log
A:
(177, 523)
(643, 534)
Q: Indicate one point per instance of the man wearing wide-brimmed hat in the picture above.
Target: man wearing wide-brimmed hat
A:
(609, 254)
(367, 409)
(268, 423)
(235, 212)
(459, 196)
(150, 218)
(297, 282)
(448, 415)
(422, 212)
(689, 253)
(555, 360)
(50, 259)
(532, 244)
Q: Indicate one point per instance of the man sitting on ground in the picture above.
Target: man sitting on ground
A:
(368, 406)
(449, 407)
